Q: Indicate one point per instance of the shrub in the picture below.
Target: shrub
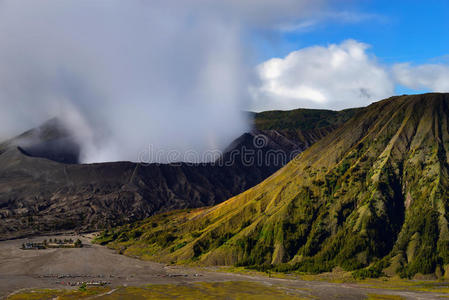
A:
(78, 243)
(179, 246)
(163, 239)
(195, 234)
(371, 272)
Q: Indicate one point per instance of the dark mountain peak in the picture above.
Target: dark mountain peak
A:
(51, 140)
(51, 129)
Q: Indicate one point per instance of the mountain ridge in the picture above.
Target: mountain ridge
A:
(39, 194)
(353, 199)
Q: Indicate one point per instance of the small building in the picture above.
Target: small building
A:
(32, 246)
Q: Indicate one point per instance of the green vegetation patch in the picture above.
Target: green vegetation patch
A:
(43, 294)
(384, 297)
(203, 290)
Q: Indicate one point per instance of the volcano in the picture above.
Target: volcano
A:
(44, 189)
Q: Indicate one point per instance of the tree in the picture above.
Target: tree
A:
(83, 287)
(78, 243)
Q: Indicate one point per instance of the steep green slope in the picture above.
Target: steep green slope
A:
(371, 196)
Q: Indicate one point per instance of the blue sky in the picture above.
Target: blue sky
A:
(177, 74)
(397, 30)
(409, 40)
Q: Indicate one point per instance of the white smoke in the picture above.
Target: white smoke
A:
(125, 75)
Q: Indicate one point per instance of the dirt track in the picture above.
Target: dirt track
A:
(55, 268)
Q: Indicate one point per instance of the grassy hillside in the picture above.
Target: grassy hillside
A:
(372, 196)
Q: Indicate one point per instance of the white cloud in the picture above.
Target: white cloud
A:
(433, 77)
(326, 17)
(338, 76)
(264, 13)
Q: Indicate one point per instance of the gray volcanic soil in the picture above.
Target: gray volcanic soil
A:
(21, 269)
(44, 191)
(40, 196)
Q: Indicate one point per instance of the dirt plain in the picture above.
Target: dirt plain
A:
(63, 268)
